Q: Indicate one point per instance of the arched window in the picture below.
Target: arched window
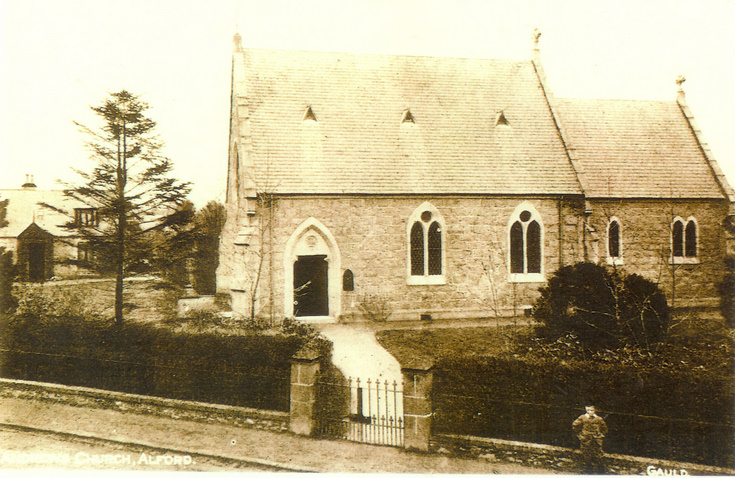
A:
(426, 246)
(417, 249)
(690, 239)
(677, 238)
(435, 249)
(525, 239)
(348, 281)
(614, 242)
(684, 240)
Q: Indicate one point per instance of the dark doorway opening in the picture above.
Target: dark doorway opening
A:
(310, 290)
(36, 262)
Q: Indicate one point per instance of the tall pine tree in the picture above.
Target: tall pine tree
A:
(130, 188)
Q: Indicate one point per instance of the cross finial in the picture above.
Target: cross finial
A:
(536, 36)
(680, 81)
(237, 41)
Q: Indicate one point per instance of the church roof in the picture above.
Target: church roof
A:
(630, 148)
(340, 123)
(379, 124)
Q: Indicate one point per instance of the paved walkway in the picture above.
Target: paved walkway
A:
(297, 452)
(356, 353)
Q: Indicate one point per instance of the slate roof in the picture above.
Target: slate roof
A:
(23, 207)
(631, 149)
(358, 145)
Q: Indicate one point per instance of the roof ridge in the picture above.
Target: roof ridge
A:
(707, 152)
(245, 50)
(576, 165)
(626, 100)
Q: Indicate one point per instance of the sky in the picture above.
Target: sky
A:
(58, 58)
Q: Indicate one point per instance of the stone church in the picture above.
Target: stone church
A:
(430, 188)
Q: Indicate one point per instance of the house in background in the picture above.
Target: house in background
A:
(447, 187)
(43, 245)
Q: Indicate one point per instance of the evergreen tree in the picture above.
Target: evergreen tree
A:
(130, 188)
(209, 223)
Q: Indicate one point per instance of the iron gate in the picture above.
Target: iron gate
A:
(368, 412)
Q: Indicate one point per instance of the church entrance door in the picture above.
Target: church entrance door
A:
(310, 288)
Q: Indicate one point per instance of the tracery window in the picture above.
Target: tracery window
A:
(525, 239)
(426, 246)
(684, 240)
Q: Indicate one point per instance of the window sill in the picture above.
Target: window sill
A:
(684, 260)
(426, 280)
(615, 261)
(527, 278)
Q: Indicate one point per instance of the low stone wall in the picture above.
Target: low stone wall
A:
(561, 459)
(188, 305)
(128, 402)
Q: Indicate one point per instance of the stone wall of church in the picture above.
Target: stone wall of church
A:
(646, 244)
(371, 234)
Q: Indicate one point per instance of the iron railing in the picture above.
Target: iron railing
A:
(368, 411)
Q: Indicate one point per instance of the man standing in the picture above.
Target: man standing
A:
(590, 430)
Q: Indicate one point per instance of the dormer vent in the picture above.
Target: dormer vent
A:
(408, 117)
(501, 120)
(309, 115)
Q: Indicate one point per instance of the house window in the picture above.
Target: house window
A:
(525, 239)
(85, 217)
(684, 241)
(85, 254)
(426, 262)
(614, 242)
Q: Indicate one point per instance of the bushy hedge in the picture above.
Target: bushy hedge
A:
(248, 369)
(536, 400)
(603, 307)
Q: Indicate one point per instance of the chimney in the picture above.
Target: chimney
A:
(29, 182)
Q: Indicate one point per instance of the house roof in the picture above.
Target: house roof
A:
(361, 142)
(24, 209)
(630, 149)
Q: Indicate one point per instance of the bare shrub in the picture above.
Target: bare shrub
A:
(374, 307)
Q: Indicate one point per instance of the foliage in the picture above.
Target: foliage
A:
(7, 275)
(7, 271)
(311, 337)
(4, 212)
(535, 398)
(374, 308)
(505, 382)
(51, 303)
(602, 307)
(250, 368)
(209, 223)
(727, 292)
(130, 188)
(171, 244)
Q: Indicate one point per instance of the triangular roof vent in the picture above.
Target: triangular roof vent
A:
(408, 117)
(309, 115)
(501, 120)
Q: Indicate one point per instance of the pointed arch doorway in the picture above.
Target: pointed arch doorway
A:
(311, 273)
(311, 286)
